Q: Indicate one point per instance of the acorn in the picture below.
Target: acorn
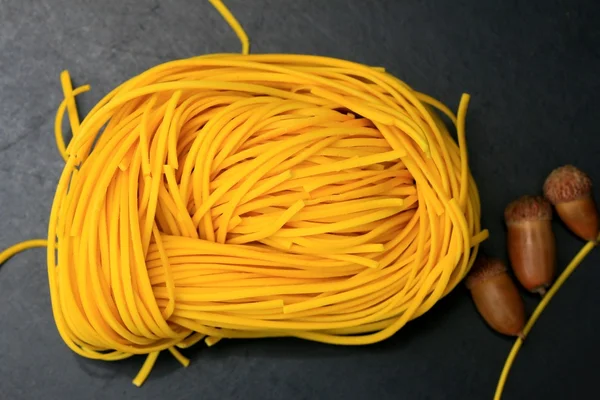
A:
(570, 190)
(531, 243)
(496, 296)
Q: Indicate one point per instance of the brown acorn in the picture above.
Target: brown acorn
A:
(496, 296)
(531, 243)
(570, 190)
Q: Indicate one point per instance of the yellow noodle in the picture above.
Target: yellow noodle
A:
(311, 232)
(240, 196)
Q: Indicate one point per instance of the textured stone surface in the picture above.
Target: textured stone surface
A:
(532, 69)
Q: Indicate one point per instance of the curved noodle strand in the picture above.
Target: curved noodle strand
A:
(19, 247)
(233, 23)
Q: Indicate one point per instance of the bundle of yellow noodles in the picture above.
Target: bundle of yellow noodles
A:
(245, 196)
(249, 196)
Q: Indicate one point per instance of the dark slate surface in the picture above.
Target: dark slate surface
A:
(532, 68)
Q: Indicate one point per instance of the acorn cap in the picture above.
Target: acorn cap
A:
(528, 208)
(484, 268)
(567, 183)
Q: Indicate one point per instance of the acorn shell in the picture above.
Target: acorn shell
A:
(496, 297)
(530, 241)
(532, 252)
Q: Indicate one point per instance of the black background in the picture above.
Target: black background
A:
(532, 68)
